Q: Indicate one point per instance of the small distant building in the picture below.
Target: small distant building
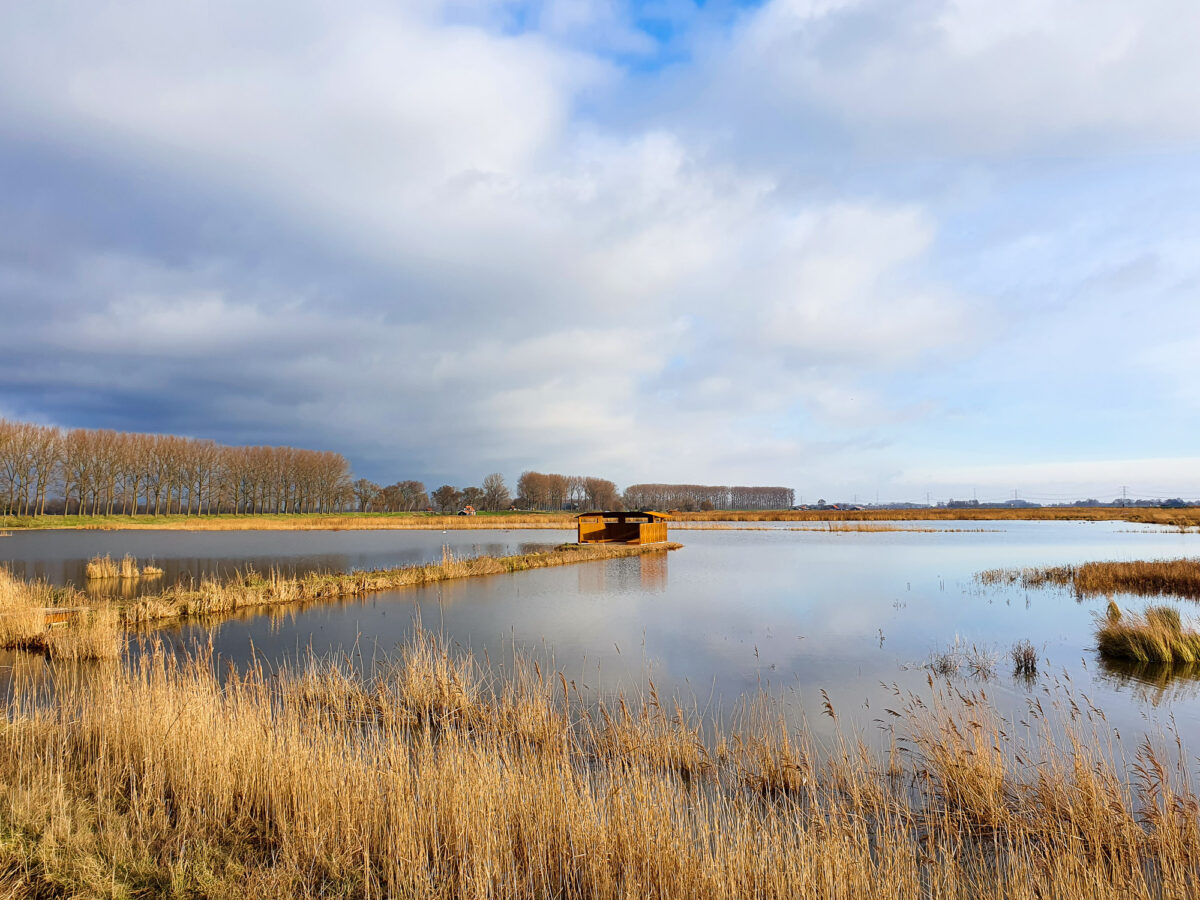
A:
(642, 527)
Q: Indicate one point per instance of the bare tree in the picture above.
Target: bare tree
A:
(495, 492)
(446, 498)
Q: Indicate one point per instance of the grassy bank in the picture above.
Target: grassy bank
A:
(443, 779)
(1174, 518)
(294, 522)
(1172, 577)
(26, 606)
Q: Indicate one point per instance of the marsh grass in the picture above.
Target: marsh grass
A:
(1156, 636)
(827, 527)
(1174, 577)
(94, 626)
(55, 621)
(104, 568)
(440, 777)
(1170, 518)
(251, 588)
(980, 662)
(1024, 658)
(100, 567)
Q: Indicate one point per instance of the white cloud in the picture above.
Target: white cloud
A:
(973, 74)
(513, 274)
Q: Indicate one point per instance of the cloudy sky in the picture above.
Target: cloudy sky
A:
(850, 246)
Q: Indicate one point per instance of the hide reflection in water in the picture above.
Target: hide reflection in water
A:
(639, 573)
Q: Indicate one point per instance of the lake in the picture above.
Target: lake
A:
(792, 612)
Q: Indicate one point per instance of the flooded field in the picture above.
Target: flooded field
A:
(857, 614)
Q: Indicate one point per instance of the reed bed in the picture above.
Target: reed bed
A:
(249, 589)
(1175, 577)
(832, 527)
(1156, 636)
(441, 778)
(1170, 518)
(104, 568)
(58, 622)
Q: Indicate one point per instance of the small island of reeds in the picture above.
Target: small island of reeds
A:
(1170, 577)
(1158, 635)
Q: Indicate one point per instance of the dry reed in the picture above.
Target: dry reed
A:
(1169, 518)
(441, 779)
(101, 568)
(1156, 636)
(24, 605)
(214, 597)
(39, 618)
(1176, 577)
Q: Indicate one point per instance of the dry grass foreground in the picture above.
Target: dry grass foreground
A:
(1173, 518)
(440, 780)
(87, 629)
(1174, 577)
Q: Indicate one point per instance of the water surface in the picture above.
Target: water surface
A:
(856, 614)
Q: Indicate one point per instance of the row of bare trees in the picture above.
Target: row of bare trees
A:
(492, 496)
(406, 496)
(102, 472)
(705, 496)
(537, 490)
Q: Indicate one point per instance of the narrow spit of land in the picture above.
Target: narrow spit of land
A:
(66, 623)
(1171, 518)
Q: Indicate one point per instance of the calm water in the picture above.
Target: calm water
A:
(60, 556)
(792, 612)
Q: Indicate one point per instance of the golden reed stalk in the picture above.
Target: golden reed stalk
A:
(439, 778)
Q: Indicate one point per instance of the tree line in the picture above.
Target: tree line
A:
(538, 490)
(706, 496)
(90, 471)
(404, 496)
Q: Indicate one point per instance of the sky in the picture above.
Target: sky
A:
(943, 248)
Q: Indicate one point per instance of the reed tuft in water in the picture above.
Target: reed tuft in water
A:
(1156, 636)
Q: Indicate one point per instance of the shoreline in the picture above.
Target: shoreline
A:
(1172, 518)
(94, 630)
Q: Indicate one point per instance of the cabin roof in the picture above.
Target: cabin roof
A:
(625, 514)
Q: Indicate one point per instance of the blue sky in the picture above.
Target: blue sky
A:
(851, 246)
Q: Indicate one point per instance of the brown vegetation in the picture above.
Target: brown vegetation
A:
(1174, 577)
(1157, 636)
(440, 779)
(1173, 518)
(212, 597)
(100, 568)
(565, 520)
(54, 621)
(24, 606)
